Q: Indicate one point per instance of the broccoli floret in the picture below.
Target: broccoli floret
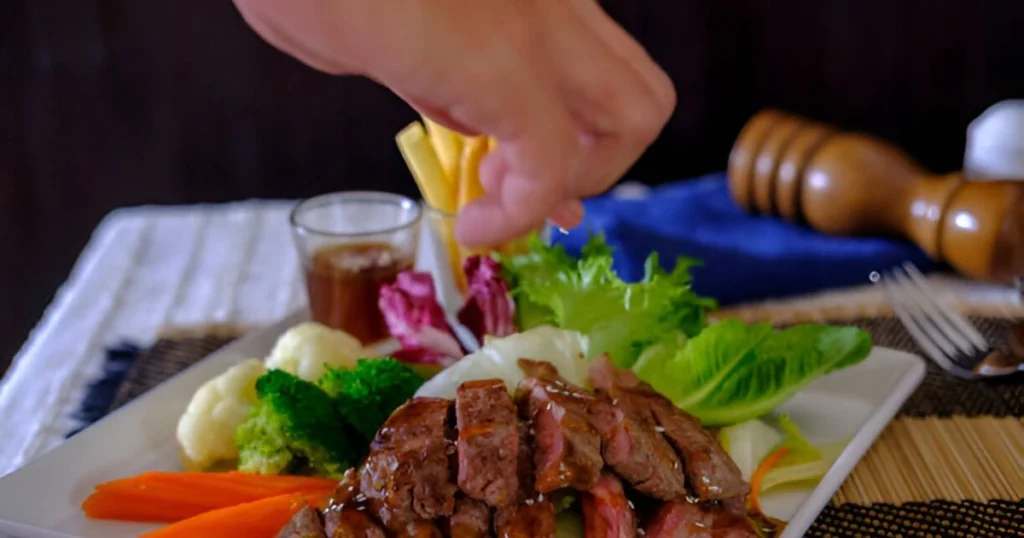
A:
(295, 428)
(367, 395)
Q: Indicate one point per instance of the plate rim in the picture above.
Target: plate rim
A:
(858, 446)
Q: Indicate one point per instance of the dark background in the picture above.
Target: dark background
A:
(122, 102)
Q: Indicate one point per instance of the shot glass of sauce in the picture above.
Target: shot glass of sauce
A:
(350, 244)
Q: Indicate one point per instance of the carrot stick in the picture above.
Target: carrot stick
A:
(168, 497)
(258, 519)
(770, 461)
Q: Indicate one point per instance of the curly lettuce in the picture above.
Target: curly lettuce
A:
(585, 294)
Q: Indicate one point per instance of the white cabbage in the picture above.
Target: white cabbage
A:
(498, 359)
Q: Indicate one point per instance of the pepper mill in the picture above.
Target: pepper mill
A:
(847, 183)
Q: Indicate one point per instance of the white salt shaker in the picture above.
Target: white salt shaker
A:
(995, 143)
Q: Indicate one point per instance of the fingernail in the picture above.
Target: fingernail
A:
(569, 215)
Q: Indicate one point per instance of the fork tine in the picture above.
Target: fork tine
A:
(939, 328)
(916, 331)
(966, 329)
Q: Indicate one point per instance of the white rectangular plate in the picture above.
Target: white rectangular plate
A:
(43, 498)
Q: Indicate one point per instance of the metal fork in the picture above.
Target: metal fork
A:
(944, 335)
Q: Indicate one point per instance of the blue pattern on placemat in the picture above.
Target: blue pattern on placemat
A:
(100, 394)
(746, 257)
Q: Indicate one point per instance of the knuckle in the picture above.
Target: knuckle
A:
(646, 120)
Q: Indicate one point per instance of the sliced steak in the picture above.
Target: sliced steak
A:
(711, 472)
(532, 514)
(607, 513)
(635, 450)
(567, 447)
(408, 465)
(488, 441)
(399, 525)
(347, 490)
(351, 523)
(682, 519)
(304, 524)
(531, 519)
(471, 519)
(349, 514)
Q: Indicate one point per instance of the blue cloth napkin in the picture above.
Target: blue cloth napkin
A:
(746, 257)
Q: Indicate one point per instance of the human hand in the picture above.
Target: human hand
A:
(571, 98)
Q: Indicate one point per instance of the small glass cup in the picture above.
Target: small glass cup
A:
(352, 243)
(442, 225)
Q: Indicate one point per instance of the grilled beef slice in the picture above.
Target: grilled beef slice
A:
(471, 519)
(305, 524)
(342, 522)
(531, 514)
(488, 442)
(635, 450)
(607, 513)
(400, 524)
(682, 519)
(408, 465)
(711, 472)
(567, 447)
(531, 519)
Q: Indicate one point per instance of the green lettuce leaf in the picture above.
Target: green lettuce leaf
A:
(733, 371)
(586, 295)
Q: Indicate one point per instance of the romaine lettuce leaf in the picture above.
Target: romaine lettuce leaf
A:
(586, 295)
(732, 371)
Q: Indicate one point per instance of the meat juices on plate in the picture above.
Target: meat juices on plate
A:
(567, 446)
(488, 442)
(408, 465)
(711, 472)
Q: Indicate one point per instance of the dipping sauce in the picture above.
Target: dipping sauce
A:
(344, 283)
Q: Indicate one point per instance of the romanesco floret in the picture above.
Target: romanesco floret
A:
(368, 394)
(295, 429)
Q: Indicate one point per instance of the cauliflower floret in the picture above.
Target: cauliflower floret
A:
(308, 348)
(206, 432)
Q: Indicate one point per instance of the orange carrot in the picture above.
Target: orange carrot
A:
(167, 497)
(770, 461)
(258, 519)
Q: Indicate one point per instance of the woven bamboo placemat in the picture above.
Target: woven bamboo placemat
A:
(950, 464)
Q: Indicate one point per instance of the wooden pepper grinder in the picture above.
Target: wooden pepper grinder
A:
(847, 183)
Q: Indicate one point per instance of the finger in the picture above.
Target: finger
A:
(617, 107)
(526, 177)
(568, 215)
(276, 24)
(514, 204)
(629, 50)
